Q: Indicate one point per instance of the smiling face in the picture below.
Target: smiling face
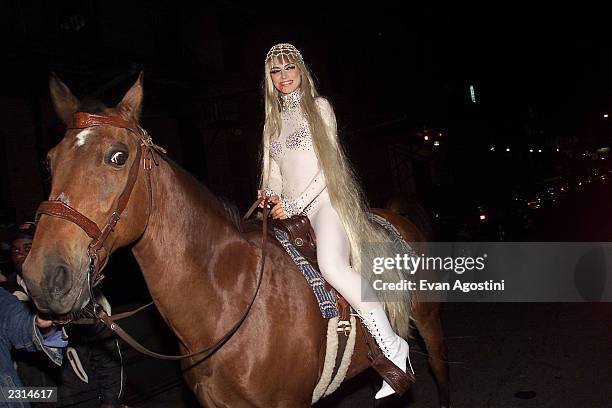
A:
(286, 76)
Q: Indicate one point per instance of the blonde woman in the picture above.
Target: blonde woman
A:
(305, 171)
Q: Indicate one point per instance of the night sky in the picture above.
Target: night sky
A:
(541, 73)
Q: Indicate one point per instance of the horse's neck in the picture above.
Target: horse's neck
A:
(178, 252)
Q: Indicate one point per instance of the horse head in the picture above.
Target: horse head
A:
(90, 167)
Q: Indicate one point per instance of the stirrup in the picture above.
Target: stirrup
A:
(398, 380)
(379, 355)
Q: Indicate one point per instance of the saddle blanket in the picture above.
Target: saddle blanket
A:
(325, 298)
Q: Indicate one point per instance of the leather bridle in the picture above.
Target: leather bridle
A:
(146, 154)
(59, 209)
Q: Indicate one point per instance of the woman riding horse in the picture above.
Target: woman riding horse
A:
(113, 187)
(305, 171)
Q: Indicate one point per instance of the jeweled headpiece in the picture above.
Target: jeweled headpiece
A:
(284, 50)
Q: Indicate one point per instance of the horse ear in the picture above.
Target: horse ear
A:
(131, 103)
(64, 102)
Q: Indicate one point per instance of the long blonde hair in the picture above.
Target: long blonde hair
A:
(344, 191)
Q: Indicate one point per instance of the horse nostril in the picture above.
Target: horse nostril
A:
(60, 280)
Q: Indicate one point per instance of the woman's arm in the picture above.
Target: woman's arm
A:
(315, 187)
(275, 180)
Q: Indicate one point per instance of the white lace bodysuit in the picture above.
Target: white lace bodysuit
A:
(295, 176)
(294, 168)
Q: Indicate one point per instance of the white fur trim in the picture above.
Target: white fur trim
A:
(330, 360)
(346, 360)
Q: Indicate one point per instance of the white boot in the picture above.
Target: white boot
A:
(392, 346)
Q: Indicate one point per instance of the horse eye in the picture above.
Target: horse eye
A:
(118, 158)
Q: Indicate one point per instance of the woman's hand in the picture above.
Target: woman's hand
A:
(274, 199)
(278, 212)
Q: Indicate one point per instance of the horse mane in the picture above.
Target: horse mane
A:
(232, 212)
(92, 105)
(227, 206)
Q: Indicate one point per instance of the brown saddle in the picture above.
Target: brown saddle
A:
(301, 235)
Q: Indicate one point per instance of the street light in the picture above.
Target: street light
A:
(426, 138)
(507, 149)
(436, 143)
(539, 150)
(530, 150)
(605, 115)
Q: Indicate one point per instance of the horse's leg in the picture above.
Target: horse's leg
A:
(427, 320)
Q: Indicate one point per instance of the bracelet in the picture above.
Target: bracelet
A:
(290, 207)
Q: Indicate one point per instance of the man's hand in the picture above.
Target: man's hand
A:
(46, 327)
(43, 323)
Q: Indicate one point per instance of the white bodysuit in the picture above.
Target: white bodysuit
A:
(296, 177)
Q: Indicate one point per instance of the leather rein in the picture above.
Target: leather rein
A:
(146, 154)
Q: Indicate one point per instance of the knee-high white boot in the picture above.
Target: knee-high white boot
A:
(392, 346)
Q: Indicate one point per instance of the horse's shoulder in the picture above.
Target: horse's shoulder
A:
(252, 232)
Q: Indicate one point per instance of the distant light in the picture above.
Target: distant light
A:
(483, 217)
(492, 148)
(530, 150)
(539, 150)
(557, 149)
(507, 149)
(436, 143)
(473, 93)
(605, 115)
(426, 138)
(440, 134)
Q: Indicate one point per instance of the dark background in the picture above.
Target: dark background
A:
(394, 73)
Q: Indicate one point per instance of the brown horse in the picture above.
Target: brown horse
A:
(199, 267)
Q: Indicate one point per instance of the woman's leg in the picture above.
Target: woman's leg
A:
(333, 251)
(333, 256)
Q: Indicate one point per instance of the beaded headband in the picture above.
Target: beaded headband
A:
(284, 50)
